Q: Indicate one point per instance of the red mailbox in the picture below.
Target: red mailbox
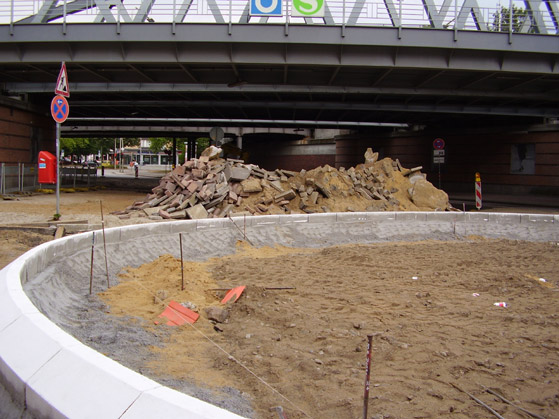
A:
(47, 167)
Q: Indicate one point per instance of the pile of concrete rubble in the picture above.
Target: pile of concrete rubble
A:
(214, 187)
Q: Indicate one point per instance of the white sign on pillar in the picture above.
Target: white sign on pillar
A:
(308, 8)
(266, 8)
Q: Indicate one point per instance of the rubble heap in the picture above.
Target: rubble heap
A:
(214, 187)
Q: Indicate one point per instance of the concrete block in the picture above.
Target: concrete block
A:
(26, 345)
(236, 173)
(178, 214)
(9, 310)
(379, 217)
(537, 218)
(197, 212)
(213, 223)
(139, 231)
(294, 218)
(13, 301)
(477, 217)
(287, 195)
(81, 383)
(505, 218)
(445, 216)
(186, 226)
(267, 219)
(351, 216)
(166, 403)
(112, 235)
(411, 216)
(322, 218)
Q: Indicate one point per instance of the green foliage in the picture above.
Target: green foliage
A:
(181, 148)
(159, 143)
(85, 146)
(502, 19)
(78, 146)
(201, 144)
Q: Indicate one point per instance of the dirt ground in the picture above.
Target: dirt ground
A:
(305, 348)
(29, 210)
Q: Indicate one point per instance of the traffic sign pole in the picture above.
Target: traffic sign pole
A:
(439, 154)
(59, 110)
(57, 170)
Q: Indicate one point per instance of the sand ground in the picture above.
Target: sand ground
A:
(30, 210)
(305, 348)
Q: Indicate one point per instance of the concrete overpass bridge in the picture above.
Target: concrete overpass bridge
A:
(361, 64)
(380, 67)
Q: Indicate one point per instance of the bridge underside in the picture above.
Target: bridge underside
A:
(144, 75)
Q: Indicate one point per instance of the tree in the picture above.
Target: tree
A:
(502, 19)
(201, 144)
(159, 143)
(78, 146)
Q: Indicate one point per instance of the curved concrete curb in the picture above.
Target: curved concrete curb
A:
(54, 375)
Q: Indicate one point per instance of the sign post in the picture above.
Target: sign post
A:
(60, 110)
(439, 155)
(478, 191)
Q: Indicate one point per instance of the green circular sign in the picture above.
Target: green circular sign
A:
(308, 7)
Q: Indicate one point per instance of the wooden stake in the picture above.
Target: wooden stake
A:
(182, 265)
(91, 271)
(367, 377)
(243, 232)
(105, 245)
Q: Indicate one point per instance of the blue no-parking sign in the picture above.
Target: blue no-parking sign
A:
(265, 8)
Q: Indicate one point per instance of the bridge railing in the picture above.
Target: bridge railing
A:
(514, 16)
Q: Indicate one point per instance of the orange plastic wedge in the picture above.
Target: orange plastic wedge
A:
(178, 315)
(235, 292)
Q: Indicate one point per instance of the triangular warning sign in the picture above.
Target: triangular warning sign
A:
(62, 82)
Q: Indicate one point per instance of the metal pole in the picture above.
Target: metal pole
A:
(182, 265)
(400, 20)
(19, 177)
(12, 17)
(286, 33)
(343, 19)
(510, 21)
(230, 16)
(455, 19)
(367, 377)
(174, 19)
(64, 20)
(58, 169)
(22, 176)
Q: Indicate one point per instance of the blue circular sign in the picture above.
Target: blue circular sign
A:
(438, 144)
(59, 109)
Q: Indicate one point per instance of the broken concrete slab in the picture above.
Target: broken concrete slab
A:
(251, 185)
(197, 212)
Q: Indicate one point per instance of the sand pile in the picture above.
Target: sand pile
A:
(214, 187)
